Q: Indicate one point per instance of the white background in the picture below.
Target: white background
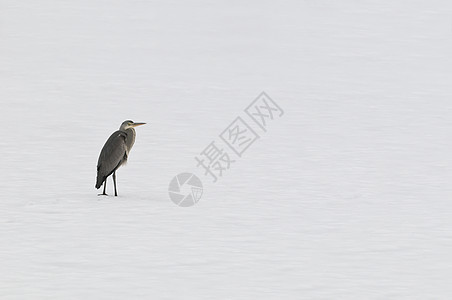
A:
(346, 196)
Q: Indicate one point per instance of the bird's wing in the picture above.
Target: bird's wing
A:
(112, 153)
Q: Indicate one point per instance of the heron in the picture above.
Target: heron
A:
(115, 153)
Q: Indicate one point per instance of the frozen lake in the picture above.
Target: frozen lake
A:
(345, 196)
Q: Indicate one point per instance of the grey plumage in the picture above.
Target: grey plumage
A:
(115, 153)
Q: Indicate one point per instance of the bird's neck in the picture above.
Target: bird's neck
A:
(130, 137)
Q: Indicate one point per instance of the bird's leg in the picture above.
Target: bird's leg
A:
(105, 188)
(114, 181)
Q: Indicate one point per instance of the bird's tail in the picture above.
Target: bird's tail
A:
(99, 181)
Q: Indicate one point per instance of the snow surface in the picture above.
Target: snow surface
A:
(347, 196)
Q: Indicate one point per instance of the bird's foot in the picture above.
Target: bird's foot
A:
(103, 194)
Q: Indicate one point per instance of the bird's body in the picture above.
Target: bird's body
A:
(115, 153)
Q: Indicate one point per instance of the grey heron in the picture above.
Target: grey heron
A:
(115, 153)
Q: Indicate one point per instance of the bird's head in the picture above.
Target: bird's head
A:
(129, 124)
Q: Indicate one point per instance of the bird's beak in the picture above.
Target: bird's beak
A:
(137, 124)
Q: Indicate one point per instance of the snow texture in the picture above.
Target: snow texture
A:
(346, 196)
